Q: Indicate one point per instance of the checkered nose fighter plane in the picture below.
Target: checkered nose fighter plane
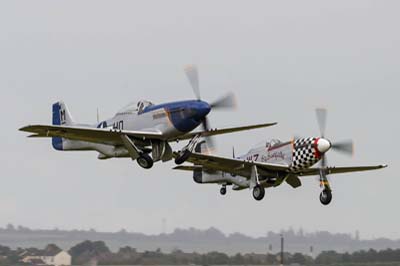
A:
(271, 164)
(140, 131)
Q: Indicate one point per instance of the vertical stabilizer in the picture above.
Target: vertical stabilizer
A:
(198, 174)
(203, 176)
(61, 116)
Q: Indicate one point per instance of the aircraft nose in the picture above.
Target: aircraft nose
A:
(202, 109)
(323, 145)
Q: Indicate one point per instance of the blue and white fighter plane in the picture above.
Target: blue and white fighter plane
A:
(138, 130)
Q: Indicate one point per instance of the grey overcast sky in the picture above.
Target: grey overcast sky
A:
(281, 58)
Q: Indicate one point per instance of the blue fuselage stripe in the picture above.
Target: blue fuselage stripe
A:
(184, 115)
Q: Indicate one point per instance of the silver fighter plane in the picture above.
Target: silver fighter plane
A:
(141, 131)
(270, 164)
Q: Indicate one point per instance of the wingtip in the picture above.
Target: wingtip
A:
(269, 124)
(24, 128)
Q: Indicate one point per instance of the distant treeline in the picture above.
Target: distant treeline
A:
(202, 241)
(90, 252)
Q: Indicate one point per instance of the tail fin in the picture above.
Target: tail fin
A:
(201, 147)
(61, 116)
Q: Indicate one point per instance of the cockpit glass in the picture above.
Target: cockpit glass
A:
(142, 105)
(272, 143)
(135, 107)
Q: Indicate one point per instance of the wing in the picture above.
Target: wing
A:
(340, 170)
(243, 167)
(213, 132)
(113, 136)
(229, 165)
(98, 135)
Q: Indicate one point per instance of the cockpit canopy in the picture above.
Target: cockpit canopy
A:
(273, 143)
(267, 144)
(135, 107)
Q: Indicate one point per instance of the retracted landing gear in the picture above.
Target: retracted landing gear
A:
(258, 192)
(223, 190)
(184, 154)
(145, 161)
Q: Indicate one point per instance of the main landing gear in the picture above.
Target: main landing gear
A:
(258, 192)
(184, 154)
(258, 189)
(145, 161)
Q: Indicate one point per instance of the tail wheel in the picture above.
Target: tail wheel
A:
(258, 192)
(145, 161)
(222, 191)
(325, 197)
(182, 157)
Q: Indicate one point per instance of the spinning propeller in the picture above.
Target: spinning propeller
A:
(323, 145)
(224, 102)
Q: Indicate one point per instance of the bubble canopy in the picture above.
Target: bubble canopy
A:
(135, 107)
(273, 143)
(268, 144)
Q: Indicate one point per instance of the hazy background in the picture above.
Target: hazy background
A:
(281, 58)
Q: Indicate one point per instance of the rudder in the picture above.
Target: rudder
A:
(61, 116)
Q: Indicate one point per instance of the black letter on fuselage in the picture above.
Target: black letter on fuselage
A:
(62, 116)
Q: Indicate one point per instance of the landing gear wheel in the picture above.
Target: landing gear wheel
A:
(325, 197)
(222, 191)
(182, 157)
(145, 161)
(258, 192)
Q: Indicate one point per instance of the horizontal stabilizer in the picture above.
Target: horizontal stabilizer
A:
(188, 167)
(37, 136)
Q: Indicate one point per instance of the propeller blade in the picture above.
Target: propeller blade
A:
(226, 102)
(205, 124)
(321, 119)
(209, 140)
(295, 137)
(323, 161)
(346, 147)
(193, 77)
